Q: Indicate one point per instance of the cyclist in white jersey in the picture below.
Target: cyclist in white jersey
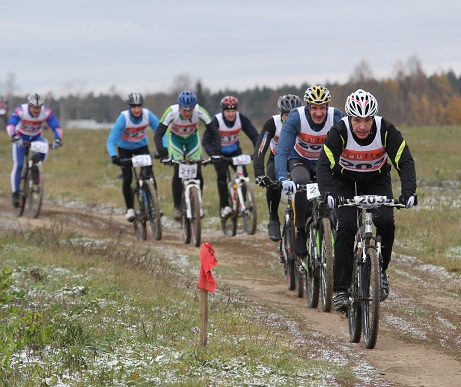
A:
(301, 141)
(230, 123)
(128, 137)
(26, 125)
(355, 160)
(268, 138)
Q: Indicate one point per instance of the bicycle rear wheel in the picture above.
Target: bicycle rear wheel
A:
(288, 242)
(326, 264)
(312, 275)
(249, 215)
(196, 221)
(36, 188)
(299, 277)
(354, 309)
(139, 223)
(153, 209)
(371, 282)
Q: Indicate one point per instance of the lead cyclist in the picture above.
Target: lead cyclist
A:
(356, 160)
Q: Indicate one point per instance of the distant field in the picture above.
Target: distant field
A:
(81, 171)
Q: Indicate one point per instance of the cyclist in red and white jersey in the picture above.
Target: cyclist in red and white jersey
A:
(26, 125)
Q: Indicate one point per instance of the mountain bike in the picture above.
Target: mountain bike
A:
(145, 199)
(364, 294)
(241, 198)
(32, 183)
(318, 265)
(191, 200)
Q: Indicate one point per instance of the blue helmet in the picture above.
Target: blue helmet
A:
(187, 100)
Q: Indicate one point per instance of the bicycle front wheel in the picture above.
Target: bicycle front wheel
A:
(326, 264)
(288, 242)
(354, 309)
(196, 221)
(153, 209)
(249, 215)
(139, 223)
(185, 221)
(299, 275)
(371, 282)
(36, 189)
(23, 190)
(312, 274)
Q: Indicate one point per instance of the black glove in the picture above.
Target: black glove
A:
(16, 139)
(163, 154)
(408, 200)
(263, 181)
(116, 160)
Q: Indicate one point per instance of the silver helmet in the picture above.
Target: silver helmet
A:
(288, 102)
(135, 98)
(35, 99)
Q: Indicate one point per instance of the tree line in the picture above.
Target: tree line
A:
(409, 98)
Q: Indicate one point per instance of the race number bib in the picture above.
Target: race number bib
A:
(312, 191)
(241, 160)
(39, 147)
(141, 161)
(187, 171)
(369, 201)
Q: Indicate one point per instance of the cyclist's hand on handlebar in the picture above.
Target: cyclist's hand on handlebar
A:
(263, 181)
(16, 139)
(331, 201)
(289, 186)
(56, 143)
(116, 160)
(166, 161)
(408, 200)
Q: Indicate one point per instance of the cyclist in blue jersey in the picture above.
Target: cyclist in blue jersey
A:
(26, 125)
(128, 138)
(182, 121)
(230, 123)
(268, 138)
(300, 143)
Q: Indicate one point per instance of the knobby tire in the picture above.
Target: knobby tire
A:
(326, 264)
(36, 190)
(139, 223)
(354, 309)
(250, 217)
(288, 242)
(196, 221)
(312, 275)
(185, 221)
(229, 223)
(153, 210)
(371, 298)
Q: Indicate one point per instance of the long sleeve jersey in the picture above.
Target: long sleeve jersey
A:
(291, 129)
(229, 134)
(394, 146)
(268, 137)
(129, 132)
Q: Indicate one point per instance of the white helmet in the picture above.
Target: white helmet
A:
(35, 99)
(135, 98)
(362, 104)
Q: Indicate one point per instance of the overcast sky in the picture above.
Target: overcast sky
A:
(82, 45)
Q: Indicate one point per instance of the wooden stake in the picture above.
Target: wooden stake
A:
(203, 317)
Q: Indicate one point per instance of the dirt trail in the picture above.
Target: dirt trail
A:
(419, 339)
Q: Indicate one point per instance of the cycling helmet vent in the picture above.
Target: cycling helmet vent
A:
(288, 102)
(35, 99)
(229, 102)
(187, 100)
(135, 98)
(317, 95)
(362, 104)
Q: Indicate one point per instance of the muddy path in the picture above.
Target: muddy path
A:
(419, 342)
